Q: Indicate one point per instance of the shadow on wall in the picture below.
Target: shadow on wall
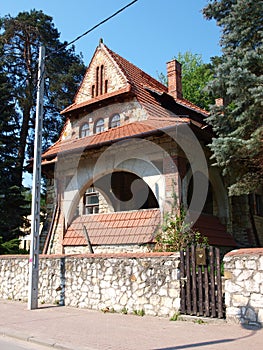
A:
(61, 287)
(249, 317)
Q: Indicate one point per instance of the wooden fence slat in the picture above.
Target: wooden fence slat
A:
(219, 285)
(200, 291)
(212, 282)
(182, 282)
(194, 277)
(188, 282)
(206, 292)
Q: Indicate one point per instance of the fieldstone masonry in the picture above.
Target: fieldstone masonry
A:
(244, 286)
(147, 283)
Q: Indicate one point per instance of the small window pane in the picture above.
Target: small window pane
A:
(99, 126)
(115, 121)
(84, 130)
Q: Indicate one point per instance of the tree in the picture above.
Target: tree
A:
(20, 39)
(12, 202)
(195, 76)
(238, 123)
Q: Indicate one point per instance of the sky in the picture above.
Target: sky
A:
(149, 33)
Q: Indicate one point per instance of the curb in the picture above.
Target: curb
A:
(31, 339)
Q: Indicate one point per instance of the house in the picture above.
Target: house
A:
(131, 149)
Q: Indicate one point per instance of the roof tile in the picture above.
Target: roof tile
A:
(122, 227)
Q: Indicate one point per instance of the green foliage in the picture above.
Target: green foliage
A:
(124, 311)
(177, 233)
(11, 247)
(238, 124)
(175, 316)
(13, 205)
(20, 38)
(140, 312)
(195, 76)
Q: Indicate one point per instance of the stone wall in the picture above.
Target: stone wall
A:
(244, 286)
(147, 283)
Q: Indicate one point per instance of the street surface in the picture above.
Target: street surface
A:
(7, 343)
(82, 329)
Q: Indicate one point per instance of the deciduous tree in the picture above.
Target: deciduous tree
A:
(195, 76)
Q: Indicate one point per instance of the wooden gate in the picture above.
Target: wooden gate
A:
(201, 284)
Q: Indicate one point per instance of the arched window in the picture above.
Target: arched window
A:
(99, 126)
(84, 130)
(115, 121)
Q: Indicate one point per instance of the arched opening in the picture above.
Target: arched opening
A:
(126, 191)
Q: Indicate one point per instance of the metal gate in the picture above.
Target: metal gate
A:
(201, 284)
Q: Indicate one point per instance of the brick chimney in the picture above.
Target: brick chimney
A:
(174, 76)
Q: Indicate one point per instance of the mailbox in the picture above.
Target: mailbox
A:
(200, 256)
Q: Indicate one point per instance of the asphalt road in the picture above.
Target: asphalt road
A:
(7, 343)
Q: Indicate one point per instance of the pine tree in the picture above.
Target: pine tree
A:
(13, 209)
(20, 38)
(238, 146)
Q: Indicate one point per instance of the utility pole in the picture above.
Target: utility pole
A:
(35, 208)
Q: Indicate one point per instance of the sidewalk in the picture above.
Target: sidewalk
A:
(79, 329)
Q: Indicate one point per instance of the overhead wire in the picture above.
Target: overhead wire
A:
(94, 27)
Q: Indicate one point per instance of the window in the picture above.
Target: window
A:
(99, 126)
(84, 130)
(91, 201)
(115, 121)
(93, 91)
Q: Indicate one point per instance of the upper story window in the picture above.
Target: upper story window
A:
(115, 121)
(84, 130)
(99, 126)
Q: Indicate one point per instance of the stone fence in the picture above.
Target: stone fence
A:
(129, 283)
(244, 286)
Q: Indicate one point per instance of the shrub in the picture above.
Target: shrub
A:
(176, 233)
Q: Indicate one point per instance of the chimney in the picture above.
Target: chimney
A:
(174, 76)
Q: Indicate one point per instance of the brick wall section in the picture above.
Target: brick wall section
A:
(121, 282)
(244, 286)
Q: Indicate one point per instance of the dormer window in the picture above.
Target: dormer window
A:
(115, 121)
(99, 126)
(84, 130)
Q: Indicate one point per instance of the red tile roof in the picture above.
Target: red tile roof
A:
(143, 86)
(140, 80)
(140, 83)
(130, 227)
(211, 227)
(135, 129)
(136, 227)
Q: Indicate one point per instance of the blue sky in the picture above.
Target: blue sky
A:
(149, 33)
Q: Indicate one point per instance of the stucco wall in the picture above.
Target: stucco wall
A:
(132, 282)
(244, 286)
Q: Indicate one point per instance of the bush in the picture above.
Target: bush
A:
(176, 234)
(11, 247)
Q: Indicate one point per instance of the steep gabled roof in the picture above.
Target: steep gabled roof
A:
(153, 96)
(143, 86)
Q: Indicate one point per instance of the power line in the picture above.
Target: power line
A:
(98, 24)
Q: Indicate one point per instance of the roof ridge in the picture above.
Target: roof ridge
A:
(121, 60)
